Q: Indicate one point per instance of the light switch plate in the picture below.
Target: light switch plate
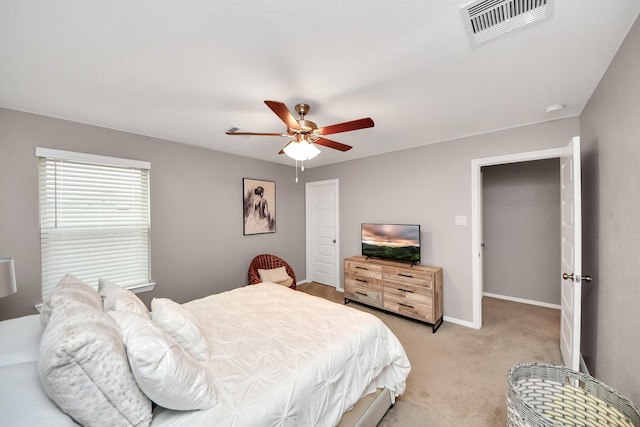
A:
(461, 220)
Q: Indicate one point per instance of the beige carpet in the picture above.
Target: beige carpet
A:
(459, 374)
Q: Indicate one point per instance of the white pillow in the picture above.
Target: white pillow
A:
(181, 325)
(71, 290)
(115, 297)
(273, 275)
(164, 371)
(83, 368)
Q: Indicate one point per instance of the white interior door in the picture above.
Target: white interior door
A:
(571, 254)
(323, 258)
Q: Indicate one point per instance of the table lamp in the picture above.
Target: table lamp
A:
(7, 277)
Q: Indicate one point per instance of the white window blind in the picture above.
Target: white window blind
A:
(94, 219)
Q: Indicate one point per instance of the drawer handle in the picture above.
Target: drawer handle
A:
(405, 305)
(362, 280)
(361, 268)
(405, 275)
(405, 290)
(361, 293)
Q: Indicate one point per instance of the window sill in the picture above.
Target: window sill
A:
(142, 288)
(135, 289)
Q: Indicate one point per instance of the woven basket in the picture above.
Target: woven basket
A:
(554, 396)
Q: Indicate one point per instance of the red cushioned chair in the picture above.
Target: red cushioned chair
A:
(267, 262)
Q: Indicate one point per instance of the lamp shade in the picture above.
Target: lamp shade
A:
(7, 277)
(301, 150)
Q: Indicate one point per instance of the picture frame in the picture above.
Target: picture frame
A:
(259, 206)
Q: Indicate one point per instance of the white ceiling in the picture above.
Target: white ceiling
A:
(188, 70)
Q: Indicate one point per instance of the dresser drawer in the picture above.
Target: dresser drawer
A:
(418, 294)
(361, 281)
(408, 276)
(363, 269)
(363, 295)
(363, 275)
(411, 307)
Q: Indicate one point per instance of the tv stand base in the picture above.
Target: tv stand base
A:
(413, 291)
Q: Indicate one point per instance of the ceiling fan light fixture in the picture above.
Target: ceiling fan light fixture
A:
(301, 150)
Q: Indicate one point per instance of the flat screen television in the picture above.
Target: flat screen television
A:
(399, 242)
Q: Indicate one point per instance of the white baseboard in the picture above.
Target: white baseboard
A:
(301, 282)
(459, 322)
(521, 300)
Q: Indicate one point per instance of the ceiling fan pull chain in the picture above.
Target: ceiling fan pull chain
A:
(302, 166)
(296, 171)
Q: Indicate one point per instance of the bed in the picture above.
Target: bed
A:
(272, 357)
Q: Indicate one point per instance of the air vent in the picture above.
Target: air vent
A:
(487, 19)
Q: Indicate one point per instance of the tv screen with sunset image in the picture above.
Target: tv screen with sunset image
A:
(399, 242)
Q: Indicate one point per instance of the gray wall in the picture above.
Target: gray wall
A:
(521, 218)
(197, 245)
(430, 185)
(610, 129)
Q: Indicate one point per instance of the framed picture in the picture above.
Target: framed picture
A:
(259, 206)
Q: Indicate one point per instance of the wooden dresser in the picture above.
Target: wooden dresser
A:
(411, 291)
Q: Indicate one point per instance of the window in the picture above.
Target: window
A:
(94, 219)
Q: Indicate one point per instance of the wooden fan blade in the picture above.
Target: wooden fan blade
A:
(235, 131)
(283, 112)
(347, 126)
(332, 144)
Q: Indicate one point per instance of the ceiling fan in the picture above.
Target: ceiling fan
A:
(305, 132)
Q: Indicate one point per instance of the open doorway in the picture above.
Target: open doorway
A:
(521, 225)
(476, 216)
(570, 240)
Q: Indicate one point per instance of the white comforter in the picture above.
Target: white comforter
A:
(285, 358)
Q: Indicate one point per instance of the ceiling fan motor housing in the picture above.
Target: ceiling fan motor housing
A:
(306, 127)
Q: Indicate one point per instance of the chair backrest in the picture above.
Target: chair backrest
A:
(266, 262)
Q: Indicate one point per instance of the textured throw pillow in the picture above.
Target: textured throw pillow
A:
(83, 368)
(167, 374)
(274, 275)
(70, 290)
(115, 297)
(181, 325)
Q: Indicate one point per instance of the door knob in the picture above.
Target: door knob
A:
(566, 276)
(334, 240)
(585, 278)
